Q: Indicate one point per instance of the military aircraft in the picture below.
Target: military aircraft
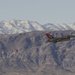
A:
(58, 39)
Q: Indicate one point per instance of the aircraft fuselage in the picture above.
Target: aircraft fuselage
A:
(59, 39)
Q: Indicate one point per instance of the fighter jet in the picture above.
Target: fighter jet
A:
(58, 39)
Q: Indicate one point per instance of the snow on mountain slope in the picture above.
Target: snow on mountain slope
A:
(21, 26)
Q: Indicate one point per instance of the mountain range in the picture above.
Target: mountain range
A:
(24, 51)
(21, 26)
(29, 54)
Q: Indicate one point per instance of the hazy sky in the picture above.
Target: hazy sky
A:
(42, 11)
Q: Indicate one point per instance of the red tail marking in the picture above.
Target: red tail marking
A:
(49, 36)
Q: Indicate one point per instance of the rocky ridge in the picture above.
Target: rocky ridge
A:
(29, 54)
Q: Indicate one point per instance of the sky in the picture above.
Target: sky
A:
(41, 11)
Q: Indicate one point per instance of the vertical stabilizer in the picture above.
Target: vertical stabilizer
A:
(49, 36)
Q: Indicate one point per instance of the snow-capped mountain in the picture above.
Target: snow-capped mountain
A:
(21, 26)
